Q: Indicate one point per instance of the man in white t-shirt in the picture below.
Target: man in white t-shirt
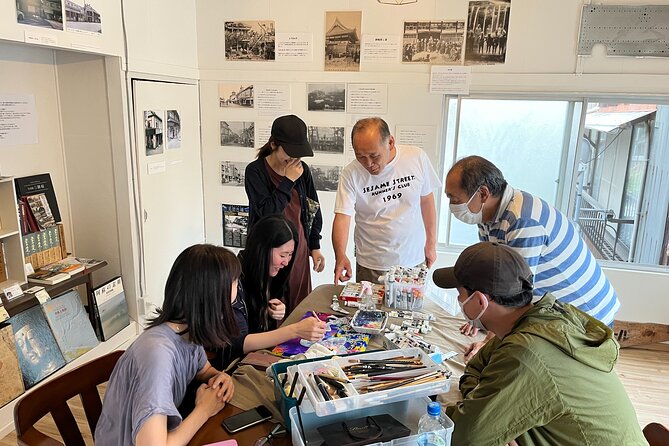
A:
(390, 190)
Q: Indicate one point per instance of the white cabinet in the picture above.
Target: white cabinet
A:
(10, 234)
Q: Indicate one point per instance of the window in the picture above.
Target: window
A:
(611, 177)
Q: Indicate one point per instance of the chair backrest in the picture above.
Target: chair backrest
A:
(52, 397)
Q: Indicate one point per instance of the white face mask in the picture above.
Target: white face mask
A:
(461, 212)
(476, 322)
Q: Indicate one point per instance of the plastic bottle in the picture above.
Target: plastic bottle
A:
(366, 296)
(430, 429)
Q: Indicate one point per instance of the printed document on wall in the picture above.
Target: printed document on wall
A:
(450, 80)
(18, 119)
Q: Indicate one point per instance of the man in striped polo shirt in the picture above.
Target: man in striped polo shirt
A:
(550, 243)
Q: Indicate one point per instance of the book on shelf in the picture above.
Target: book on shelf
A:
(47, 277)
(110, 308)
(12, 381)
(43, 247)
(88, 263)
(38, 184)
(39, 206)
(36, 347)
(67, 265)
(70, 325)
(28, 222)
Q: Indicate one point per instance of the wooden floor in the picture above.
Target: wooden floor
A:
(644, 373)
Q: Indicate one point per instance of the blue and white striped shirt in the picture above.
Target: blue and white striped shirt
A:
(559, 258)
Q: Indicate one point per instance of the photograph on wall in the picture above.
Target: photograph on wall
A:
(237, 133)
(326, 97)
(153, 132)
(237, 95)
(342, 40)
(250, 40)
(326, 139)
(326, 178)
(232, 173)
(487, 29)
(81, 16)
(42, 13)
(438, 42)
(235, 222)
(173, 129)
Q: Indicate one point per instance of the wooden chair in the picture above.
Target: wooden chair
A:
(52, 398)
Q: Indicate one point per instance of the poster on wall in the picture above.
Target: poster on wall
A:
(326, 97)
(326, 139)
(236, 95)
(367, 99)
(235, 223)
(237, 133)
(232, 173)
(153, 132)
(342, 40)
(250, 40)
(487, 31)
(325, 178)
(18, 119)
(173, 129)
(81, 16)
(437, 42)
(44, 14)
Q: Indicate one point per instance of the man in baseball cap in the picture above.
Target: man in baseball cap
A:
(546, 378)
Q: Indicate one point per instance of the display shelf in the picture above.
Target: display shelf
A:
(10, 235)
(122, 337)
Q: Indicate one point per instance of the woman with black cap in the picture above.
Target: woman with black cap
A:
(278, 182)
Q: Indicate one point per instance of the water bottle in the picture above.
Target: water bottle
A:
(366, 296)
(430, 429)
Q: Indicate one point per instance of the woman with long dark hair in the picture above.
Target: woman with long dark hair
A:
(279, 182)
(150, 380)
(266, 264)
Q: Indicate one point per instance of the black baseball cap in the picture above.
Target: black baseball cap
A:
(487, 267)
(290, 132)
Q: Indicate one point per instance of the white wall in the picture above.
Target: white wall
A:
(542, 42)
(110, 41)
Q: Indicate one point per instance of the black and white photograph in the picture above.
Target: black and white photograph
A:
(232, 173)
(235, 223)
(81, 16)
(250, 40)
(326, 97)
(238, 95)
(326, 178)
(487, 29)
(153, 132)
(326, 139)
(41, 13)
(342, 40)
(435, 42)
(173, 129)
(237, 133)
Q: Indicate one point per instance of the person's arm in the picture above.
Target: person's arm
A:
(429, 214)
(512, 393)
(340, 228)
(220, 381)
(314, 236)
(154, 430)
(309, 328)
(264, 198)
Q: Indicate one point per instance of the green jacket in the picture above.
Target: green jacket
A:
(550, 381)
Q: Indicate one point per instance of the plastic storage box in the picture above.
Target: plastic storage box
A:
(357, 400)
(408, 412)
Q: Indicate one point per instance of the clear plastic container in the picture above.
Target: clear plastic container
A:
(408, 412)
(405, 288)
(430, 427)
(357, 400)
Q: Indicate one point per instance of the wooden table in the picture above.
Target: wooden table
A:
(445, 334)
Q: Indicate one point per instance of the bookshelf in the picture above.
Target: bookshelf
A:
(10, 234)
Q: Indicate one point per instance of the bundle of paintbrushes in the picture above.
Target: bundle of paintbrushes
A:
(374, 375)
(365, 368)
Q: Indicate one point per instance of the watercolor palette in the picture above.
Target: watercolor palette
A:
(369, 321)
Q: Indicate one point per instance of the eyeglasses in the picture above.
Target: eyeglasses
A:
(277, 431)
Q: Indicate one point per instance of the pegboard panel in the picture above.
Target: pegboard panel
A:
(625, 30)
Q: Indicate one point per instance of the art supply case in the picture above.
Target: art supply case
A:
(358, 400)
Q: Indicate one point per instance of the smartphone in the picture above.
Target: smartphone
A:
(248, 418)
